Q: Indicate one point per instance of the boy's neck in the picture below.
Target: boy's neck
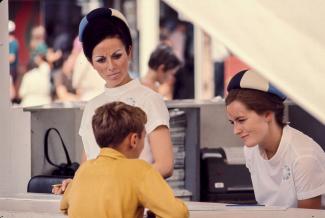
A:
(123, 150)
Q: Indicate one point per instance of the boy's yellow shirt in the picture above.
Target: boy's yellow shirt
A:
(113, 186)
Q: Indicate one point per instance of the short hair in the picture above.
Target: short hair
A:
(259, 102)
(163, 55)
(112, 122)
(100, 24)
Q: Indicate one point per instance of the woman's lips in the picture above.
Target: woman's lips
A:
(112, 76)
(243, 137)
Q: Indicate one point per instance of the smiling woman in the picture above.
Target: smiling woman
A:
(248, 125)
(286, 165)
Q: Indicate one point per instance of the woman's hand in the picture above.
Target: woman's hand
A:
(59, 189)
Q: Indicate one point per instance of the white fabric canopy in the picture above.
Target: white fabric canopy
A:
(284, 40)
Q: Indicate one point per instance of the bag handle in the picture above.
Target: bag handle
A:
(47, 133)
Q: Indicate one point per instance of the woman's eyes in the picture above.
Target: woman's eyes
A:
(238, 121)
(101, 60)
(116, 56)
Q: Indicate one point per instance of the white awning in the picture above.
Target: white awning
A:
(283, 40)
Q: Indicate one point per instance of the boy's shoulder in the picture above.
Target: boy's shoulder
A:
(137, 164)
(134, 169)
(130, 166)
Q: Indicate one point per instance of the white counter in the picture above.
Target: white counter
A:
(47, 206)
(30, 205)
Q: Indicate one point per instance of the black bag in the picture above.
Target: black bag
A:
(63, 169)
(43, 183)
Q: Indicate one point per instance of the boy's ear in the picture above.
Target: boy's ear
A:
(133, 140)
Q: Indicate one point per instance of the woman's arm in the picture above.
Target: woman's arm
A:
(162, 151)
(309, 179)
(83, 156)
(311, 203)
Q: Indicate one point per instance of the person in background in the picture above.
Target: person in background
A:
(63, 79)
(107, 45)
(219, 54)
(177, 39)
(12, 90)
(77, 80)
(163, 65)
(286, 166)
(38, 35)
(85, 79)
(35, 87)
(125, 184)
(13, 52)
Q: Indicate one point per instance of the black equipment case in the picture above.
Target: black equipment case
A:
(223, 182)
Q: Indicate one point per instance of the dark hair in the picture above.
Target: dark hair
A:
(258, 101)
(102, 28)
(112, 122)
(163, 55)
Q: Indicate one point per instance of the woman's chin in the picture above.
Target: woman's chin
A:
(112, 84)
(112, 79)
(249, 144)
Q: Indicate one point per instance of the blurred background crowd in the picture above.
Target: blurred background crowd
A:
(47, 63)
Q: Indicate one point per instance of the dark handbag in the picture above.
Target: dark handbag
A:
(63, 169)
(43, 184)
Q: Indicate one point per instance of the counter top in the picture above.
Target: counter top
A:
(183, 103)
(57, 105)
(46, 206)
(170, 104)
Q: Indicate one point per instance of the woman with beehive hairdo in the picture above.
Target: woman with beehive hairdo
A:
(107, 44)
(286, 166)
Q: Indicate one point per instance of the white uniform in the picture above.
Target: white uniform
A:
(35, 87)
(132, 93)
(295, 172)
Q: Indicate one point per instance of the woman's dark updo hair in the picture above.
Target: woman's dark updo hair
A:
(102, 27)
(258, 101)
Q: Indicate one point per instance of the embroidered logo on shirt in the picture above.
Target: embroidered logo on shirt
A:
(130, 101)
(286, 172)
